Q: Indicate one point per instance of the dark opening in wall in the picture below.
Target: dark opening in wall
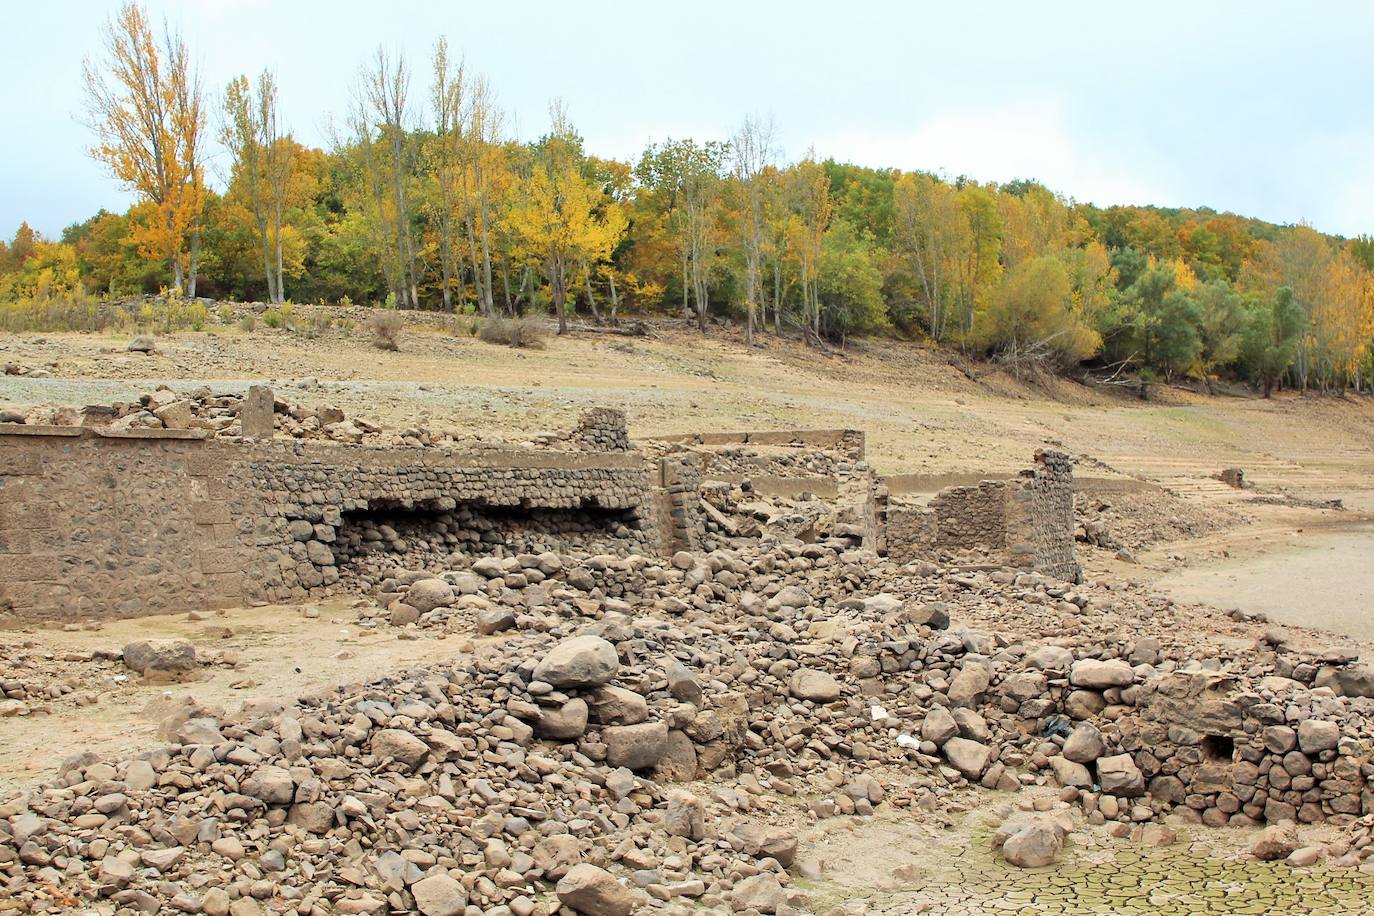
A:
(389, 535)
(1219, 748)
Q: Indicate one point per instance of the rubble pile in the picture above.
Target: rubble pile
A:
(804, 681)
(1137, 521)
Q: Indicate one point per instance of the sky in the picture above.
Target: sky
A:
(1261, 108)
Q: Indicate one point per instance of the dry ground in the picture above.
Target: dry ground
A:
(923, 415)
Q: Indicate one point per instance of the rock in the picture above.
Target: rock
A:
(176, 415)
(403, 615)
(401, 746)
(1084, 704)
(612, 705)
(1348, 680)
(495, 620)
(814, 685)
(565, 723)
(1070, 773)
(1033, 845)
(1050, 658)
(1119, 775)
(1275, 841)
(635, 747)
(685, 816)
(440, 895)
(761, 893)
(934, 615)
(318, 553)
(594, 891)
(270, 784)
(1317, 735)
(427, 594)
(969, 757)
(582, 661)
(161, 660)
(142, 343)
(1084, 744)
(969, 684)
(1099, 675)
(939, 726)
(1305, 856)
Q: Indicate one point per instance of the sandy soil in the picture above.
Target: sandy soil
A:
(270, 652)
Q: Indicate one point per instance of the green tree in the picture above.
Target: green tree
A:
(1271, 338)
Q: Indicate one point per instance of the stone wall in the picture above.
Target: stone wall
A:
(96, 523)
(1026, 521)
(1271, 753)
(100, 523)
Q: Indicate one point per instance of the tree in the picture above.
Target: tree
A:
(261, 170)
(380, 119)
(446, 96)
(144, 103)
(1031, 318)
(1222, 328)
(560, 215)
(751, 151)
(931, 237)
(1271, 338)
(850, 282)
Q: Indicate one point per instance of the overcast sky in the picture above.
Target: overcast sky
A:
(1262, 108)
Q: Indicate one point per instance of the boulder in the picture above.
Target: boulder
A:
(582, 661)
(161, 659)
(814, 685)
(1034, 844)
(969, 684)
(270, 784)
(635, 747)
(401, 746)
(968, 757)
(1276, 841)
(440, 895)
(1119, 775)
(939, 726)
(761, 893)
(1099, 675)
(564, 723)
(594, 891)
(427, 594)
(1084, 744)
(1317, 735)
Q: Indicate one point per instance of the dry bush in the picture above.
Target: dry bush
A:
(524, 333)
(386, 330)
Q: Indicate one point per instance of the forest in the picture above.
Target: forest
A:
(422, 199)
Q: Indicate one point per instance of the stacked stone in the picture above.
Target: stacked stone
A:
(602, 429)
(453, 507)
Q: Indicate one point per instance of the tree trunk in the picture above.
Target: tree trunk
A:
(615, 302)
(591, 298)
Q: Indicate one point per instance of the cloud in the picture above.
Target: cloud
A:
(1023, 140)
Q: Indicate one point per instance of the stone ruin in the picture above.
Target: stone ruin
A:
(1025, 521)
(212, 501)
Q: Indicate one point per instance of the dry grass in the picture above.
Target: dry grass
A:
(386, 330)
(523, 333)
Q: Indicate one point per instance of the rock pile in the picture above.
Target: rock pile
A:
(805, 681)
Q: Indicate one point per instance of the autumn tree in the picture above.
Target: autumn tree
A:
(144, 102)
(560, 216)
(751, 151)
(261, 170)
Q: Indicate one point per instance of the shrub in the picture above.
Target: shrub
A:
(226, 314)
(248, 322)
(74, 311)
(524, 332)
(386, 329)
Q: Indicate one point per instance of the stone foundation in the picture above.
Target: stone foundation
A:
(1025, 521)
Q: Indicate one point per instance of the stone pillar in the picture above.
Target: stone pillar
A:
(255, 417)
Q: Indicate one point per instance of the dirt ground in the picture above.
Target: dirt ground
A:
(1269, 551)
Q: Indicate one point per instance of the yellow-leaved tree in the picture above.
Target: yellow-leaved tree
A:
(561, 216)
(144, 102)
